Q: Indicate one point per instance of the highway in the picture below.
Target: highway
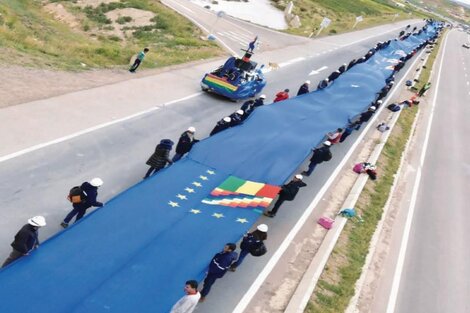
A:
(36, 181)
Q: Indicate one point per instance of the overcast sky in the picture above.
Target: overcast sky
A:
(464, 1)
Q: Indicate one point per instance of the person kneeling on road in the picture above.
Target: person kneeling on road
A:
(288, 192)
(322, 154)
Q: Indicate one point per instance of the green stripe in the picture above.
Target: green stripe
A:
(232, 183)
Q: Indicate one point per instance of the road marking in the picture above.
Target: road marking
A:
(296, 60)
(406, 233)
(88, 130)
(315, 72)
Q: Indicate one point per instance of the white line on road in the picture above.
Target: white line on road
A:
(406, 233)
(315, 72)
(296, 60)
(88, 130)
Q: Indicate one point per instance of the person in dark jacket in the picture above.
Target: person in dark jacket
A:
(185, 143)
(250, 242)
(26, 239)
(160, 158)
(343, 68)
(319, 155)
(304, 88)
(221, 125)
(333, 76)
(247, 107)
(218, 266)
(363, 117)
(259, 102)
(347, 131)
(288, 192)
(351, 64)
(89, 195)
(236, 118)
(282, 95)
(323, 84)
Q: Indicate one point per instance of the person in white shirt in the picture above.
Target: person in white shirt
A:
(188, 303)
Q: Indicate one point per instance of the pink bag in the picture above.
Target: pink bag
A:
(326, 222)
(358, 168)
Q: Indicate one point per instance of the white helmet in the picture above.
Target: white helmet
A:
(96, 182)
(298, 176)
(227, 119)
(262, 227)
(38, 221)
(327, 143)
(240, 112)
(263, 96)
(379, 101)
(191, 129)
(307, 82)
(372, 108)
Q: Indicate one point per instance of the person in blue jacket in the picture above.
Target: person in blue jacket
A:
(185, 143)
(252, 243)
(218, 266)
(90, 193)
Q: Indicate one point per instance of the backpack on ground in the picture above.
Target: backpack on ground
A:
(258, 250)
(76, 195)
(393, 107)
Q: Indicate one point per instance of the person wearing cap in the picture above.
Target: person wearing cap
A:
(288, 192)
(259, 102)
(185, 143)
(26, 239)
(304, 88)
(221, 125)
(343, 68)
(323, 84)
(282, 95)
(335, 136)
(218, 266)
(363, 117)
(333, 76)
(251, 244)
(248, 106)
(188, 303)
(236, 118)
(320, 155)
(90, 193)
(160, 158)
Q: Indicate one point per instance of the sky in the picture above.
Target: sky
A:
(467, 2)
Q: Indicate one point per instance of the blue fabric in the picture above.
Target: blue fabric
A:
(135, 253)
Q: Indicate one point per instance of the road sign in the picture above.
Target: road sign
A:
(359, 18)
(325, 23)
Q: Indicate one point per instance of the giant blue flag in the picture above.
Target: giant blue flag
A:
(135, 254)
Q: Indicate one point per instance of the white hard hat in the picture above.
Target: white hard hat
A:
(191, 129)
(307, 82)
(227, 119)
(96, 182)
(327, 143)
(372, 108)
(263, 96)
(298, 176)
(240, 112)
(379, 101)
(38, 221)
(262, 227)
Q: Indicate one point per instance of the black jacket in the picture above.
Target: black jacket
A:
(160, 157)
(303, 90)
(290, 190)
(319, 154)
(26, 239)
(185, 143)
(91, 193)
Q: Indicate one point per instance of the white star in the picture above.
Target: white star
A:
(197, 184)
(173, 204)
(195, 211)
(203, 177)
(190, 190)
(218, 215)
(210, 172)
(242, 220)
(182, 197)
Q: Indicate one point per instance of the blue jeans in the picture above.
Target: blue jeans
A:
(177, 157)
(241, 257)
(311, 167)
(78, 212)
(208, 282)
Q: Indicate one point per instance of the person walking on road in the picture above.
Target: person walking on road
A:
(188, 303)
(218, 266)
(89, 192)
(304, 88)
(160, 158)
(288, 192)
(185, 143)
(252, 243)
(140, 57)
(26, 239)
(319, 155)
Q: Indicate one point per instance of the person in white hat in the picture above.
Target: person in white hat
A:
(89, 193)
(26, 239)
(185, 143)
(236, 118)
(259, 102)
(288, 192)
(304, 88)
(221, 125)
(320, 155)
(252, 243)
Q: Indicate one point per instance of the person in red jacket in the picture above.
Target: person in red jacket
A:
(282, 95)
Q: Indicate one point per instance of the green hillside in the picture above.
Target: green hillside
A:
(74, 37)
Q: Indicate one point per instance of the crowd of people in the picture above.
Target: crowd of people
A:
(85, 196)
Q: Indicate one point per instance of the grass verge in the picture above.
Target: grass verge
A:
(337, 282)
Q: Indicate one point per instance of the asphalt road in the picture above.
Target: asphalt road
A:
(37, 182)
(436, 268)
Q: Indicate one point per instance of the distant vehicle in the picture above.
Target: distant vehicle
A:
(237, 79)
(466, 45)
